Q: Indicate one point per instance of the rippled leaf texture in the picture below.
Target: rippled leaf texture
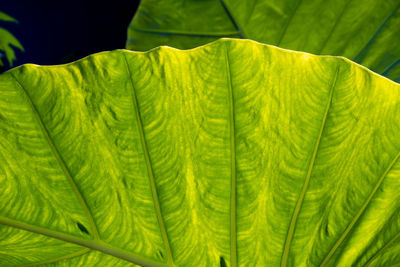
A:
(7, 39)
(231, 154)
(366, 31)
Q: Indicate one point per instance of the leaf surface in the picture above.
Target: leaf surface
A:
(366, 31)
(231, 154)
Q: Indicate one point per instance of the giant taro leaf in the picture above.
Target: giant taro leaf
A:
(231, 154)
(366, 31)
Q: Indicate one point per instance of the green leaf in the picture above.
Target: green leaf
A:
(5, 17)
(7, 40)
(231, 154)
(366, 31)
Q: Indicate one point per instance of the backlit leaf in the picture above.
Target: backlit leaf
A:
(231, 154)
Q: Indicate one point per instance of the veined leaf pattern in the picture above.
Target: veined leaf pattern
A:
(232, 154)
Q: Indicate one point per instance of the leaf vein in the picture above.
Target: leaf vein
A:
(334, 27)
(60, 160)
(360, 212)
(233, 230)
(239, 29)
(296, 212)
(64, 257)
(288, 22)
(382, 249)
(149, 167)
(361, 55)
(92, 244)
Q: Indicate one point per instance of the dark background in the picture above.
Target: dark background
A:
(61, 31)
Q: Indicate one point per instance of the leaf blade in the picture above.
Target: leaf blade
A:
(212, 132)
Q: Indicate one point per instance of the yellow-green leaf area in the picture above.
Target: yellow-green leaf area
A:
(231, 154)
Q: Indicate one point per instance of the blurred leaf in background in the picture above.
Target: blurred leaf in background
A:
(365, 31)
(7, 42)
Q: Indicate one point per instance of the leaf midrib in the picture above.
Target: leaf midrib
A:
(233, 237)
